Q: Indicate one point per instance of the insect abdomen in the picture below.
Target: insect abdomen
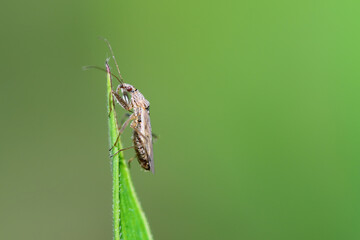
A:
(141, 153)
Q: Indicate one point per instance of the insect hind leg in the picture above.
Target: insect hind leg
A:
(121, 130)
(121, 151)
(130, 160)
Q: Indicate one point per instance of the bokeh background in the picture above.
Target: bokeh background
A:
(256, 104)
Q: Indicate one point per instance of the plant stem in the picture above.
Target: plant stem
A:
(129, 221)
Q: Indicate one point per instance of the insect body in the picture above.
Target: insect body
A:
(133, 101)
(140, 117)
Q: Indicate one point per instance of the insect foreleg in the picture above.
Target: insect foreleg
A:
(121, 101)
(125, 97)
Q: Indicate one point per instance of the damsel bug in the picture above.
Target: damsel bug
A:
(133, 101)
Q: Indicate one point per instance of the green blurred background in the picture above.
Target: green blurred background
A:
(256, 104)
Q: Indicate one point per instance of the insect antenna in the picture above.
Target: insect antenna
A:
(102, 69)
(113, 56)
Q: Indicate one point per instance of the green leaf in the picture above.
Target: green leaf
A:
(129, 220)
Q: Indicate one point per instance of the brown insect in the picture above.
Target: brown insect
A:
(133, 101)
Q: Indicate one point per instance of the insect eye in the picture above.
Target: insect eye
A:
(129, 89)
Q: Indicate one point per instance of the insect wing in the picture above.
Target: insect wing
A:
(148, 141)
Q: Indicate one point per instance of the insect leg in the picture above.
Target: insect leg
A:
(131, 117)
(130, 160)
(121, 150)
(124, 94)
(121, 101)
(125, 116)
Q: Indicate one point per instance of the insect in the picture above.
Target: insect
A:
(130, 98)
